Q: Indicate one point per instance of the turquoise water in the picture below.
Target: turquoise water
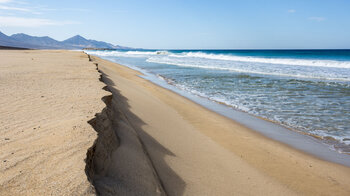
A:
(307, 90)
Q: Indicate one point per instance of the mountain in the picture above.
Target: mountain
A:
(42, 42)
(77, 42)
(8, 41)
(80, 42)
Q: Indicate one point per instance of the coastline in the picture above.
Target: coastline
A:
(59, 137)
(280, 99)
(306, 142)
(328, 149)
(281, 167)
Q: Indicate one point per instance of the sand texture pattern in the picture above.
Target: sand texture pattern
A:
(46, 99)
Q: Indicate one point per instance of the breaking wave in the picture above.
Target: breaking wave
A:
(281, 61)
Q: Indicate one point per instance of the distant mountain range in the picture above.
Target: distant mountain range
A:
(22, 40)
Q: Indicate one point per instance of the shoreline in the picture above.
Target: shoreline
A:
(325, 124)
(311, 144)
(280, 165)
(76, 124)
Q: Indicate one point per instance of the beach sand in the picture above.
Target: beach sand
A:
(150, 140)
(46, 99)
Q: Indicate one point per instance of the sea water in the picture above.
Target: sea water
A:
(304, 90)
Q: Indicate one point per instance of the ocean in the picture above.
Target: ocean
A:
(304, 90)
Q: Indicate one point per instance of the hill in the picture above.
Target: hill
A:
(76, 42)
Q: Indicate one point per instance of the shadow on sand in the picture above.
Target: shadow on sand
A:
(125, 159)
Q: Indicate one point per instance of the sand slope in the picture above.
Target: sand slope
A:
(46, 99)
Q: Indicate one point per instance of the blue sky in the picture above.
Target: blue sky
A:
(186, 24)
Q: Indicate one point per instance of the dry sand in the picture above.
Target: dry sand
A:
(150, 140)
(46, 99)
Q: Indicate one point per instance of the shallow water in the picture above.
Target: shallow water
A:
(307, 90)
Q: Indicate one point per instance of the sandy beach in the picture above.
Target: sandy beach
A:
(46, 99)
(150, 140)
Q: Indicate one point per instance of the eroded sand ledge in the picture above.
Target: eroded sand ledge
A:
(118, 163)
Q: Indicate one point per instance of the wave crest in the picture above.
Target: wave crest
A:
(228, 57)
(128, 53)
(281, 61)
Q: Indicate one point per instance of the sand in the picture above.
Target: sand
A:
(143, 140)
(46, 99)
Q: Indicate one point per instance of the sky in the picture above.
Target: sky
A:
(186, 24)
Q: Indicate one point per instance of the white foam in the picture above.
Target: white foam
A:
(339, 138)
(239, 70)
(127, 53)
(243, 64)
(281, 61)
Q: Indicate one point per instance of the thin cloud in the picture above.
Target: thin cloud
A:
(12, 1)
(317, 18)
(24, 7)
(46, 9)
(10, 21)
(291, 11)
(14, 8)
(5, 1)
(8, 6)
